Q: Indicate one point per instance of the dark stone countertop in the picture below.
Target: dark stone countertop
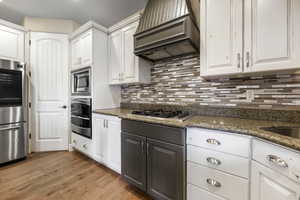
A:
(233, 125)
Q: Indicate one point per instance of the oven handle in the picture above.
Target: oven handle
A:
(85, 118)
(86, 102)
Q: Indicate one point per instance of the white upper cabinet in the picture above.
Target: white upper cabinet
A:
(115, 57)
(124, 66)
(267, 184)
(244, 36)
(11, 44)
(222, 38)
(82, 50)
(75, 49)
(272, 35)
(86, 41)
(130, 60)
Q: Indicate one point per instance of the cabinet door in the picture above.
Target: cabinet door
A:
(86, 48)
(267, 184)
(99, 134)
(114, 145)
(221, 37)
(115, 57)
(134, 167)
(11, 44)
(165, 170)
(76, 58)
(271, 35)
(130, 68)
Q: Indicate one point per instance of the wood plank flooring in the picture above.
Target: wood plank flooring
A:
(63, 176)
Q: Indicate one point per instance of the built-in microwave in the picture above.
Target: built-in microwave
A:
(81, 82)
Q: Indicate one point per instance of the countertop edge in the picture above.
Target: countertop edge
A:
(189, 124)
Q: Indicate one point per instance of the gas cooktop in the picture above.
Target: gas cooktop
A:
(162, 113)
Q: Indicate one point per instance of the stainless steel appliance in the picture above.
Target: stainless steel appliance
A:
(168, 29)
(81, 116)
(81, 79)
(13, 135)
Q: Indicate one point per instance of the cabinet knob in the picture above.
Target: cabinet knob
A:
(277, 161)
(74, 141)
(213, 141)
(213, 183)
(84, 146)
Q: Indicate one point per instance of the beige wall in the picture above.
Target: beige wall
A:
(50, 25)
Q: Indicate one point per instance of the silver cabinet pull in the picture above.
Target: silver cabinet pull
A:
(148, 149)
(213, 183)
(84, 146)
(142, 146)
(74, 141)
(248, 59)
(213, 161)
(213, 141)
(277, 161)
(239, 60)
(104, 123)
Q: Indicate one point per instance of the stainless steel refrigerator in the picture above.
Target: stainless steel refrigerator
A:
(13, 130)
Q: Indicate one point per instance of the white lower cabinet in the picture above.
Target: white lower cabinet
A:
(219, 168)
(218, 183)
(107, 141)
(82, 144)
(267, 184)
(196, 193)
(217, 165)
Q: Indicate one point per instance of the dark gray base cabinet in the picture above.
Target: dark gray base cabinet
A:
(155, 166)
(134, 163)
(165, 166)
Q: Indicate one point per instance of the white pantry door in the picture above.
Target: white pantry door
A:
(49, 63)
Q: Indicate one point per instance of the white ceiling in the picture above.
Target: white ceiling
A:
(104, 12)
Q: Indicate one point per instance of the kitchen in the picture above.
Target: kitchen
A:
(152, 99)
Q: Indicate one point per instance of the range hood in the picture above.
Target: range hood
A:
(167, 29)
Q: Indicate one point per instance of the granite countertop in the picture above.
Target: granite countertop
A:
(234, 125)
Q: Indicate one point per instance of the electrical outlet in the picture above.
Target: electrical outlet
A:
(250, 95)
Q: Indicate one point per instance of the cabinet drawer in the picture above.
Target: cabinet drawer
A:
(284, 161)
(216, 182)
(82, 144)
(196, 193)
(225, 162)
(219, 141)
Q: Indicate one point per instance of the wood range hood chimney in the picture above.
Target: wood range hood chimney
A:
(168, 29)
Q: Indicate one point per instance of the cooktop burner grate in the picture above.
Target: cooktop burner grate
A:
(161, 113)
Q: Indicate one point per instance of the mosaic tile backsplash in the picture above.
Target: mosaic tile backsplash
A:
(178, 81)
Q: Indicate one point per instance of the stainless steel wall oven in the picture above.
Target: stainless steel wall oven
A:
(13, 136)
(81, 116)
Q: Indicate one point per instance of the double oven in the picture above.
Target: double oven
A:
(13, 136)
(81, 105)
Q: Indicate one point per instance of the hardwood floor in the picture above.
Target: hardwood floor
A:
(63, 176)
